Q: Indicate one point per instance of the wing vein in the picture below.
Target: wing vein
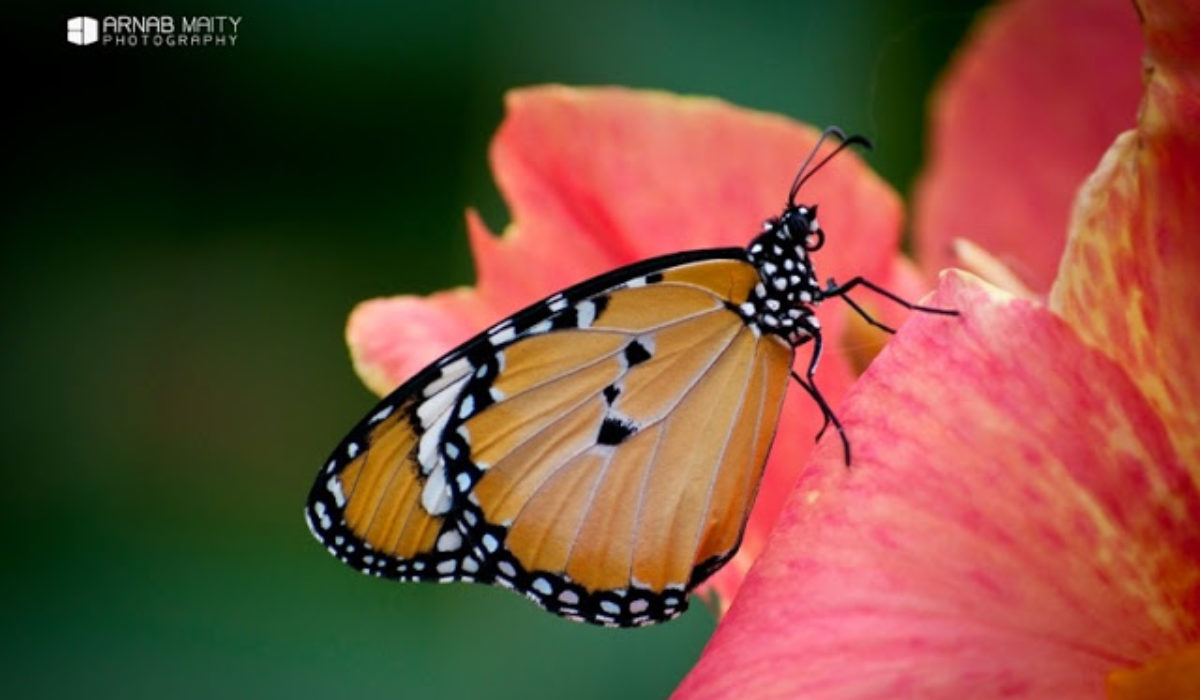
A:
(590, 500)
(601, 358)
(637, 512)
(568, 414)
(683, 395)
(716, 473)
(666, 417)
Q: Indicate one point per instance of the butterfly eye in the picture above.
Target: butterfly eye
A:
(814, 240)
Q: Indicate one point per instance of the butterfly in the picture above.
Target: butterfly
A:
(600, 450)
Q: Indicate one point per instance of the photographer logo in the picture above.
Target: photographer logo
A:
(154, 31)
(82, 31)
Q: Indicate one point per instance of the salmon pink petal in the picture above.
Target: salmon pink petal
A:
(971, 257)
(1021, 117)
(1016, 522)
(861, 341)
(1130, 281)
(391, 339)
(613, 175)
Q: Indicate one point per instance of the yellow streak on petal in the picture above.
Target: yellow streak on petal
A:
(1127, 281)
(975, 259)
(1176, 675)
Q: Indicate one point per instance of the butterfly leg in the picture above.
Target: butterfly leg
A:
(810, 386)
(835, 290)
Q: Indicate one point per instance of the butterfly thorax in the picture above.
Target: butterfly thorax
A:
(783, 300)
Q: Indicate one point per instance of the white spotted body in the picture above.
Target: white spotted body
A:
(784, 302)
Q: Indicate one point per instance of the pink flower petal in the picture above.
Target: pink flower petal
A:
(630, 174)
(1016, 523)
(392, 339)
(1021, 117)
(1130, 281)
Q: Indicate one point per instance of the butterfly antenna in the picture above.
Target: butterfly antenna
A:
(804, 173)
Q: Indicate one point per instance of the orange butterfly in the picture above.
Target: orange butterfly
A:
(600, 450)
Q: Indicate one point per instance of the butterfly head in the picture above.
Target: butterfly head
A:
(800, 223)
(781, 251)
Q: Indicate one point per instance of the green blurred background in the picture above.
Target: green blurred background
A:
(185, 232)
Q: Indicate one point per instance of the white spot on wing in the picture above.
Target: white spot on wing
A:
(334, 487)
(322, 515)
(449, 541)
(437, 411)
(586, 314)
(503, 335)
(451, 372)
(436, 496)
(381, 414)
(435, 406)
(467, 407)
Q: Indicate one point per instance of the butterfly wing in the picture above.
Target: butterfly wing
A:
(598, 451)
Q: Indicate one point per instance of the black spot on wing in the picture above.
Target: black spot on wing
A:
(614, 431)
(567, 318)
(636, 354)
(654, 277)
(611, 392)
(601, 302)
